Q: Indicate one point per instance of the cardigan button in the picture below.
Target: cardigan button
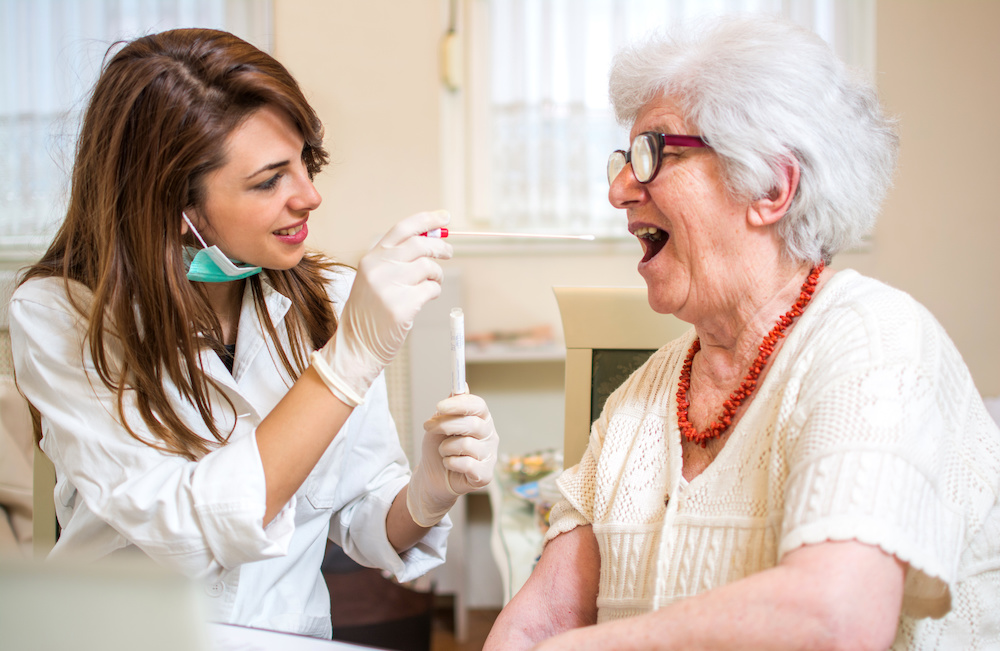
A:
(215, 589)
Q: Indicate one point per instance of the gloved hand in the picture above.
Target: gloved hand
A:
(395, 279)
(458, 456)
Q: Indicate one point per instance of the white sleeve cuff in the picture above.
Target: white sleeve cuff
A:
(336, 385)
(360, 529)
(233, 520)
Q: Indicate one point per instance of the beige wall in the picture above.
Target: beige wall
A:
(939, 238)
(371, 69)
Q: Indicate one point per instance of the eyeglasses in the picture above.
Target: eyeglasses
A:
(645, 154)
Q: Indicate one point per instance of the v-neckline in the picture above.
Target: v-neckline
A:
(737, 434)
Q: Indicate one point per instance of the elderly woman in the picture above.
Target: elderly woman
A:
(811, 466)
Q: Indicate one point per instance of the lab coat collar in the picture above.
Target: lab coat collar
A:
(251, 341)
(250, 337)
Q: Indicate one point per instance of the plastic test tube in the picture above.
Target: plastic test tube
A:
(457, 351)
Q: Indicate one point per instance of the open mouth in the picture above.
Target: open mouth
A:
(653, 240)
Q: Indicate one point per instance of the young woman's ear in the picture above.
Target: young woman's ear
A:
(768, 209)
(188, 216)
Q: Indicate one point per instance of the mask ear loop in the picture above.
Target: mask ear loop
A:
(194, 230)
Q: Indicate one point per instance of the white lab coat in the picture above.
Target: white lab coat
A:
(204, 518)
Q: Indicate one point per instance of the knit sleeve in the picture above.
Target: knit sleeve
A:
(877, 462)
(623, 469)
(577, 486)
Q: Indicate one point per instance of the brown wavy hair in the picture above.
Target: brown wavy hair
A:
(155, 126)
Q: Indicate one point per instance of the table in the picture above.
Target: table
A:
(226, 637)
(121, 604)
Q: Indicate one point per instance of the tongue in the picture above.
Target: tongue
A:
(651, 247)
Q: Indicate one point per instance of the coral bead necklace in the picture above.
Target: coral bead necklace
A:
(749, 383)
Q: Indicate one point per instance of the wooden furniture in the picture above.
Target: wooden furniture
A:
(609, 331)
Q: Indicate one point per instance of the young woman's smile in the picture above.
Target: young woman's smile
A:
(294, 235)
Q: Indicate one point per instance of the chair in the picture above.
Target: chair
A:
(369, 609)
(16, 420)
(16, 444)
(45, 529)
(609, 332)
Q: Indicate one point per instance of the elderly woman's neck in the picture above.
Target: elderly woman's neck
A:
(732, 342)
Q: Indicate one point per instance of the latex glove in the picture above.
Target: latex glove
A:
(459, 453)
(394, 280)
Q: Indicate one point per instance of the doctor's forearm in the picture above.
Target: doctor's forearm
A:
(400, 528)
(293, 437)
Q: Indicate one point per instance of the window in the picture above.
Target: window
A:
(538, 123)
(50, 55)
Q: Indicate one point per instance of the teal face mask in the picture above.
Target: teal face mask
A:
(210, 264)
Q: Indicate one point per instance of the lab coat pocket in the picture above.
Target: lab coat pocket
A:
(65, 495)
(322, 485)
(364, 458)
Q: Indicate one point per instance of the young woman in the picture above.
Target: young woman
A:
(211, 394)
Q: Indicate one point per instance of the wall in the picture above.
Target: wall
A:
(371, 71)
(939, 238)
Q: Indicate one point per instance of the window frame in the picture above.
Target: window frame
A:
(51, 56)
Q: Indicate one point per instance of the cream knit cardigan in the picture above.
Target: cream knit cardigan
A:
(867, 426)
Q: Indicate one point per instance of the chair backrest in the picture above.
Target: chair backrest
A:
(610, 332)
(19, 435)
(16, 445)
(43, 522)
(17, 420)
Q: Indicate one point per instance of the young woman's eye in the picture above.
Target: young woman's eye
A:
(306, 160)
(269, 184)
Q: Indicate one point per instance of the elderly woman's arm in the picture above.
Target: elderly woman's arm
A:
(834, 595)
(560, 594)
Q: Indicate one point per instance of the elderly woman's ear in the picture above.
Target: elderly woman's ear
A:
(768, 209)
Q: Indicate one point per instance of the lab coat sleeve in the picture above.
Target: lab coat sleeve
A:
(363, 482)
(199, 517)
(373, 472)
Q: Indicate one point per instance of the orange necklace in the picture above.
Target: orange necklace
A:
(749, 383)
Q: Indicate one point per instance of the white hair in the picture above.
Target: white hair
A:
(762, 90)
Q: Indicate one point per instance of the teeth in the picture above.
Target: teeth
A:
(649, 233)
(289, 231)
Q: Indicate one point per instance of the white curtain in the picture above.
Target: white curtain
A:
(50, 55)
(548, 127)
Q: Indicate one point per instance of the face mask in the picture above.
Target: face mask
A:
(210, 264)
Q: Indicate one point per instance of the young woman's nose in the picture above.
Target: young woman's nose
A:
(306, 195)
(625, 190)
